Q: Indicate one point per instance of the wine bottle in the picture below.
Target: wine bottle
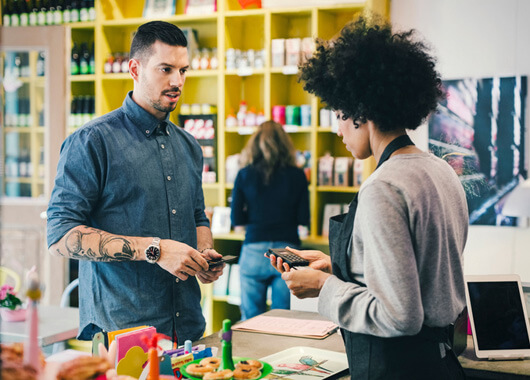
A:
(74, 62)
(6, 12)
(41, 64)
(50, 12)
(58, 13)
(67, 8)
(34, 11)
(91, 11)
(92, 65)
(15, 13)
(24, 13)
(227, 361)
(83, 11)
(84, 59)
(41, 17)
(74, 12)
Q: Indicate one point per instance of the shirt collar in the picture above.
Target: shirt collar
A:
(143, 120)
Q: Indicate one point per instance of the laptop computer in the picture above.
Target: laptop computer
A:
(498, 316)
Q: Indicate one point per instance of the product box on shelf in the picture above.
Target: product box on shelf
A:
(343, 171)
(325, 170)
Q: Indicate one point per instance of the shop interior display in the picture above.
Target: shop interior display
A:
(216, 36)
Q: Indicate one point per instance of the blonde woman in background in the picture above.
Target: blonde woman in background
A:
(271, 199)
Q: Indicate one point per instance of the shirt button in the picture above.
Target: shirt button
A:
(147, 131)
(169, 178)
(163, 146)
(173, 211)
(178, 314)
(177, 280)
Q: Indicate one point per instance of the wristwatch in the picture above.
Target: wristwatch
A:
(152, 252)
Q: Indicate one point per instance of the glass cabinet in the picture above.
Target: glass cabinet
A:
(33, 127)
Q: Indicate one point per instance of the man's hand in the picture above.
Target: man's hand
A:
(180, 259)
(210, 275)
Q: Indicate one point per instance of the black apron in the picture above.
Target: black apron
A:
(372, 357)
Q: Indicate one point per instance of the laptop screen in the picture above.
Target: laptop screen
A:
(498, 315)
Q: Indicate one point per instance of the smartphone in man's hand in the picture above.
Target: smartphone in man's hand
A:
(225, 259)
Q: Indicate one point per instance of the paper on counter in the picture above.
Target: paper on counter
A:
(288, 326)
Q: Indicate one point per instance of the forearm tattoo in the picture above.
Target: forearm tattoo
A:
(96, 245)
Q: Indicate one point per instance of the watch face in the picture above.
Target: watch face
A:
(152, 254)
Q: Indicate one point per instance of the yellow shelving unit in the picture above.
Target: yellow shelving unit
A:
(262, 88)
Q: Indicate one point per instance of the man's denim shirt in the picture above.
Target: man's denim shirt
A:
(129, 174)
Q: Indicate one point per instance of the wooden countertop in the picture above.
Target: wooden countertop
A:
(258, 345)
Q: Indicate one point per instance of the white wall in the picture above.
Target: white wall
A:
(478, 38)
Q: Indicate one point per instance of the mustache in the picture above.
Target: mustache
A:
(174, 89)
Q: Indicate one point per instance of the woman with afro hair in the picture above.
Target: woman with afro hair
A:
(393, 281)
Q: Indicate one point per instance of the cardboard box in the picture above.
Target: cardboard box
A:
(343, 171)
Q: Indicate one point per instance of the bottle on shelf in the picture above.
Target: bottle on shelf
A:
(74, 62)
(58, 13)
(41, 64)
(6, 13)
(74, 11)
(116, 65)
(24, 13)
(84, 59)
(125, 63)
(41, 17)
(33, 13)
(50, 11)
(67, 8)
(83, 11)
(242, 113)
(15, 13)
(107, 68)
(91, 10)
(92, 62)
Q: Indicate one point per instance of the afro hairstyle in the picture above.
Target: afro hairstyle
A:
(370, 73)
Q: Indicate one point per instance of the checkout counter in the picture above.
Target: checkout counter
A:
(258, 345)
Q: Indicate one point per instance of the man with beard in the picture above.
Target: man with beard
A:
(128, 203)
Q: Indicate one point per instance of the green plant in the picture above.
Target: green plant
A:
(8, 298)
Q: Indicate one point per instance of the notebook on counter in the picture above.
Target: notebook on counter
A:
(498, 316)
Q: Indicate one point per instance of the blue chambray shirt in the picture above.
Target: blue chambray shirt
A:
(127, 173)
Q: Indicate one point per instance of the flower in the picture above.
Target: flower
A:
(8, 297)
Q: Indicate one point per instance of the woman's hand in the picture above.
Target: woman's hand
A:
(305, 283)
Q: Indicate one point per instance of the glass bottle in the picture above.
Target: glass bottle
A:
(58, 13)
(15, 13)
(24, 13)
(92, 68)
(91, 11)
(50, 11)
(6, 12)
(67, 8)
(227, 362)
(84, 59)
(83, 11)
(74, 62)
(41, 17)
(74, 11)
(34, 11)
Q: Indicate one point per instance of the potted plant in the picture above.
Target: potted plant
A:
(11, 308)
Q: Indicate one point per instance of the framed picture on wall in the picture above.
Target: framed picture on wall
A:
(159, 8)
(479, 129)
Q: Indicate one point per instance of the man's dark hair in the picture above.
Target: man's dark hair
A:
(148, 33)
(371, 73)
